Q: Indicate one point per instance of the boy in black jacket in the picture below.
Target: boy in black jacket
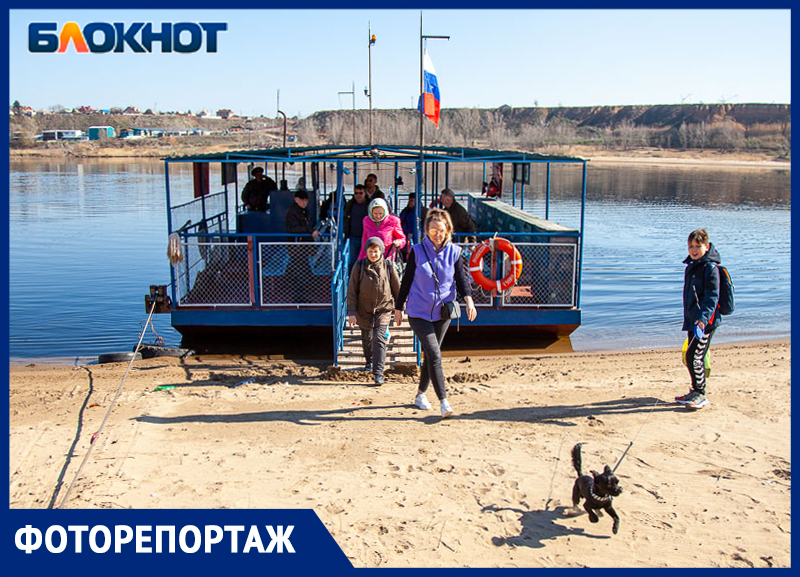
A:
(701, 316)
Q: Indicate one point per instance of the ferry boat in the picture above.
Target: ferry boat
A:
(238, 277)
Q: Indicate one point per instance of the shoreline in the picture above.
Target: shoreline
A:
(556, 349)
(593, 155)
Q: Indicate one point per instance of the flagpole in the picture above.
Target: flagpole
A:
(422, 38)
(370, 42)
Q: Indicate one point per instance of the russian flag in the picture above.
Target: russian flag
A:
(429, 102)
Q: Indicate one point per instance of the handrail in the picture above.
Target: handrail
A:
(197, 200)
(339, 284)
(277, 235)
(568, 234)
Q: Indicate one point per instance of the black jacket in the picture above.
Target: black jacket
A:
(255, 194)
(460, 217)
(298, 220)
(348, 215)
(701, 291)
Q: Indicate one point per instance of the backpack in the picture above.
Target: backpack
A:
(726, 291)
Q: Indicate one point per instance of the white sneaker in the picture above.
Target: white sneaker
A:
(446, 409)
(421, 402)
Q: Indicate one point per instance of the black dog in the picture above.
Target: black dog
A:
(598, 489)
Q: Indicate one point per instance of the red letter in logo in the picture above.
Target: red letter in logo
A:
(70, 31)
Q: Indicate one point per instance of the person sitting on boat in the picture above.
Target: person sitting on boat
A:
(298, 221)
(298, 218)
(385, 226)
(371, 186)
(355, 210)
(462, 223)
(255, 194)
(371, 293)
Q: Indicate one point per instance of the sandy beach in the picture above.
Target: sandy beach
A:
(399, 487)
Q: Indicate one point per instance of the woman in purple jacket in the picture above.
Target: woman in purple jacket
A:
(433, 273)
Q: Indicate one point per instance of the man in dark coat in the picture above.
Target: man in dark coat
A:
(298, 218)
(255, 194)
(462, 223)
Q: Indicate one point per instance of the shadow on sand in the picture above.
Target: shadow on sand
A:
(562, 415)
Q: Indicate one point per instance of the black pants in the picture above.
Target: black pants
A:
(373, 342)
(430, 336)
(695, 359)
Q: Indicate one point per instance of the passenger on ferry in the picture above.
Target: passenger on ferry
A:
(371, 295)
(387, 227)
(329, 206)
(255, 194)
(409, 222)
(462, 223)
(423, 294)
(298, 218)
(355, 210)
(298, 221)
(371, 186)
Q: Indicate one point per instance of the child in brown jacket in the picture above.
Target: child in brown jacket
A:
(371, 294)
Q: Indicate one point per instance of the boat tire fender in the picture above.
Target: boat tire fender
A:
(118, 357)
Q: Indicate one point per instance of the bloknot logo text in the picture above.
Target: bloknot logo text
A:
(139, 37)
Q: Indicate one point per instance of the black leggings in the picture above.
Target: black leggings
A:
(431, 335)
(695, 359)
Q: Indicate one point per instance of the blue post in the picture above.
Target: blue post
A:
(172, 280)
(547, 194)
(583, 213)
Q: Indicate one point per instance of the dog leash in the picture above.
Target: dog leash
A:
(628, 448)
(614, 470)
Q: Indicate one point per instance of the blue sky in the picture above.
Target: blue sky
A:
(514, 57)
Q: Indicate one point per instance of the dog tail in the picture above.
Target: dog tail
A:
(576, 458)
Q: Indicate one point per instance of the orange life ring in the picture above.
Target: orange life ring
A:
(476, 265)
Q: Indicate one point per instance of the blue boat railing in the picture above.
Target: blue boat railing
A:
(265, 271)
(550, 270)
(339, 305)
(244, 270)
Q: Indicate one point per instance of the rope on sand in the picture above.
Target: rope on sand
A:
(110, 408)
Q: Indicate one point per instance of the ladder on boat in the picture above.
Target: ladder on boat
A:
(400, 348)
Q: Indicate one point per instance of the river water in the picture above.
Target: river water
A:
(88, 238)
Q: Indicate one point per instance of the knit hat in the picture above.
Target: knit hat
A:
(377, 242)
(381, 203)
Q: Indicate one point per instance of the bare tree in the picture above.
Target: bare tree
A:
(728, 135)
(468, 122)
(533, 135)
(699, 135)
(684, 136)
(497, 133)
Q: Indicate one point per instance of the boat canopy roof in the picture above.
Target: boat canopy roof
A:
(381, 153)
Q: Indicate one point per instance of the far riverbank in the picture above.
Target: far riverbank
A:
(652, 156)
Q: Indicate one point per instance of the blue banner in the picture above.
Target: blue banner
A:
(141, 541)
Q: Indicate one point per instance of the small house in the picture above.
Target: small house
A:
(101, 132)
